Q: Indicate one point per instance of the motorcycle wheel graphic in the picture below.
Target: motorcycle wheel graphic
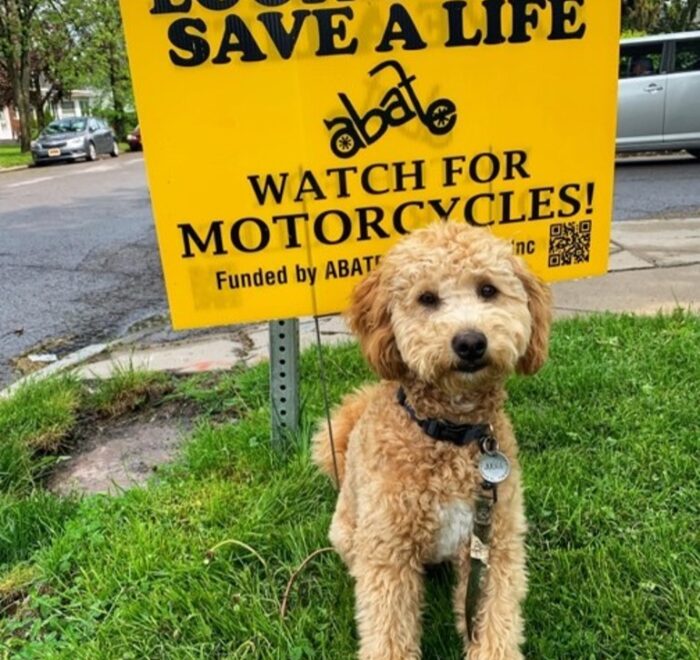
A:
(441, 116)
(345, 144)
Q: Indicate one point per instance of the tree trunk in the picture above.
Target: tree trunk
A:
(24, 106)
(18, 68)
(38, 100)
(115, 81)
(20, 91)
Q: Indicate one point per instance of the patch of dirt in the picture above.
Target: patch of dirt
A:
(117, 454)
(57, 345)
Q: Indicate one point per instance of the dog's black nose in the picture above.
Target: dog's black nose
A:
(470, 345)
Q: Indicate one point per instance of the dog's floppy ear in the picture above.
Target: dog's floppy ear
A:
(539, 301)
(369, 318)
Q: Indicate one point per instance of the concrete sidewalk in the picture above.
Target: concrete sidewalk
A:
(654, 266)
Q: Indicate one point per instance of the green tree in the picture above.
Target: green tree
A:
(16, 24)
(103, 54)
(6, 94)
(48, 47)
(658, 16)
(679, 16)
(56, 63)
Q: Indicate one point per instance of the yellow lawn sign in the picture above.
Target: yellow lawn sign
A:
(290, 143)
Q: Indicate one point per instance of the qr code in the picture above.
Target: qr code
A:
(569, 243)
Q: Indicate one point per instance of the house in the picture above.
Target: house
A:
(7, 134)
(77, 103)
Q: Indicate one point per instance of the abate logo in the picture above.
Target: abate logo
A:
(355, 131)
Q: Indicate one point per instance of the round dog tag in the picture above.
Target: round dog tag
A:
(494, 468)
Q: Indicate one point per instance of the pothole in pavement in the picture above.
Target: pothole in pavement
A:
(55, 347)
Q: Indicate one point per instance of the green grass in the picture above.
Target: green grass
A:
(11, 157)
(609, 437)
(126, 390)
(35, 420)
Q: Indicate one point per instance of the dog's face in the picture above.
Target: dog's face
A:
(451, 305)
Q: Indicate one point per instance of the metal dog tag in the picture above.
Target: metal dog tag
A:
(494, 467)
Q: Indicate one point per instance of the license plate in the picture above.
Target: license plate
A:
(54, 152)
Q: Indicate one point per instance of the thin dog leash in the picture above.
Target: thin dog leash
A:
(494, 468)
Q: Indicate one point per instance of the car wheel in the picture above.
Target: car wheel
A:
(694, 152)
(115, 150)
(92, 152)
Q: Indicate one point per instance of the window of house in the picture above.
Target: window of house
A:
(687, 56)
(641, 60)
(68, 108)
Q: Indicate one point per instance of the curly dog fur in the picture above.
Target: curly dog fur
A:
(406, 500)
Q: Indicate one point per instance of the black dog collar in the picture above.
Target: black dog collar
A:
(457, 434)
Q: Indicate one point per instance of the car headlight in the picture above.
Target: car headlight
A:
(34, 144)
(75, 143)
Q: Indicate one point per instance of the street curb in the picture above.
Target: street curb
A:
(623, 223)
(70, 360)
(76, 358)
(15, 168)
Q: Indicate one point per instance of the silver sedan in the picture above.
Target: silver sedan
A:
(74, 138)
(659, 93)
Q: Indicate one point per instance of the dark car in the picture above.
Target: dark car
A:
(74, 138)
(134, 139)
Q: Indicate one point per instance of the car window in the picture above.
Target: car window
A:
(687, 56)
(74, 125)
(93, 125)
(640, 60)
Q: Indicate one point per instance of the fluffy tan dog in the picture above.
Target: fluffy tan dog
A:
(448, 315)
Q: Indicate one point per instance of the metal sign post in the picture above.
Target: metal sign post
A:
(284, 380)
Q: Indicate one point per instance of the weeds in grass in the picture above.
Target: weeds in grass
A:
(126, 390)
(14, 586)
(34, 420)
(44, 414)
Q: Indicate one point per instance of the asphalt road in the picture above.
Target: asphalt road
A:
(79, 264)
(657, 187)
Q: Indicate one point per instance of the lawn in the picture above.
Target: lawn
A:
(11, 157)
(195, 564)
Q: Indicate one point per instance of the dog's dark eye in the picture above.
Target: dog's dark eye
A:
(429, 299)
(487, 291)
